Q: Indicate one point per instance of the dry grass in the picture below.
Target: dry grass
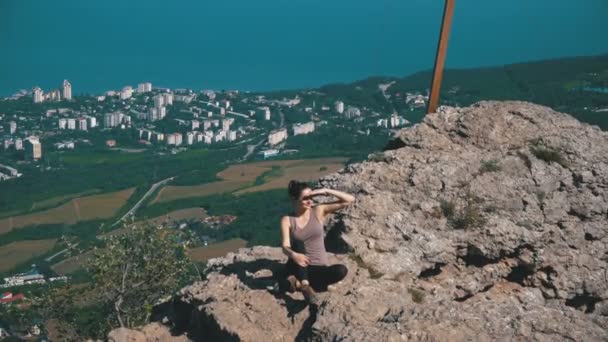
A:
(54, 201)
(239, 176)
(309, 172)
(216, 250)
(79, 209)
(16, 253)
(172, 193)
(72, 264)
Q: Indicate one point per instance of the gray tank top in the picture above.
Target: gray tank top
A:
(309, 239)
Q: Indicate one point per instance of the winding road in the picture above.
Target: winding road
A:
(138, 204)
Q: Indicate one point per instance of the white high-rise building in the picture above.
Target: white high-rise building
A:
(305, 128)
(112, 119)
(62, 123)
(168, 97)
(195, 124)
(38, 95)
(18, 144)
(226, 124)
(71, 123)
(12, 127)
(152, 114)
(67, 90)
(162, 112)
(340, 107)
(352, 112)
(159, 101)
(144, 87)
(174, 139)
(33, 148)
(231, 135)
(92, 121)
(277, 136)
(190, 138)
(126, 93)
(266, 113)
(82, 124)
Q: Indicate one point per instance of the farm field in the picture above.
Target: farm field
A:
(243, 176)
(16, 253)
(71, 264)
(216, 250)
(305, 171)
(168, 219)
(53, 201)
(78, 209)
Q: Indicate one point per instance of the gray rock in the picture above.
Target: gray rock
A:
(467, 232)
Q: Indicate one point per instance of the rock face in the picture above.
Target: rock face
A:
(482, 223)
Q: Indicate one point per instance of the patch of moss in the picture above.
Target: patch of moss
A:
(548, 155)
(417, 295)
(447, 209)
(489, 166)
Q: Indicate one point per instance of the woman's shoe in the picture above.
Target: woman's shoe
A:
(311, 296)
(293, 281)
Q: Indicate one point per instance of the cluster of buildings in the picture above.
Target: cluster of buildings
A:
(28, 278)
(111, 120)
(145, 87)
(416, 100)
(82, 123)
(159, 111)
(207, 135)
(31, 145)
(304, 128)
(9, 297)
(392, 122)
(7, 172)
(54, 95)
(277, 136)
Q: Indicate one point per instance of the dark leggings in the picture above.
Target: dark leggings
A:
(319, 277)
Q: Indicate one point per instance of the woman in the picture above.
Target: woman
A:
(302, 234)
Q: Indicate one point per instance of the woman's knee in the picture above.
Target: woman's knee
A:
(341, 271)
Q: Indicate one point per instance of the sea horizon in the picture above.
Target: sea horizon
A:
(271, 45)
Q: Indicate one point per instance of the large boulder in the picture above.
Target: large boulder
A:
(482, 223)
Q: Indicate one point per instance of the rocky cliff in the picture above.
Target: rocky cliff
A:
(481, 223)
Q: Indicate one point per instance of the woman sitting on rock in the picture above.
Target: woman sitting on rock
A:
(307, 269)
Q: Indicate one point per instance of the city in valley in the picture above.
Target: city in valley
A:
(212, 165)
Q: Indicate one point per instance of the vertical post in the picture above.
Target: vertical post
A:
(442, 48)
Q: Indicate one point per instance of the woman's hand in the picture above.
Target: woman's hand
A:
(300, 259)
(319, 192)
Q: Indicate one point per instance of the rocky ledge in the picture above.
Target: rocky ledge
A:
(482, 223)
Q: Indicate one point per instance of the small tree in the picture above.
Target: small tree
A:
(136, 269)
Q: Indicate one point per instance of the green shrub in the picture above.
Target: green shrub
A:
(323, 168)
(470, 217)
(548, 155)
(489, 166)
(448, 209)
(417, 295)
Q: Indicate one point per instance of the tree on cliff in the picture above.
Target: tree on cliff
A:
(136, 268)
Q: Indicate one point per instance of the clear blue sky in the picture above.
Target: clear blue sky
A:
(275, 44)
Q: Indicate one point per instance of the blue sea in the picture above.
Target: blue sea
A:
(276, 44)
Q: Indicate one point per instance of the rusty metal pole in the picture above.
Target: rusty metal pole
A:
(442, 48)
